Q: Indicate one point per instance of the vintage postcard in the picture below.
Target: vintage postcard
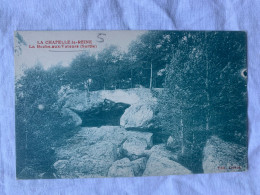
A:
(129, 103)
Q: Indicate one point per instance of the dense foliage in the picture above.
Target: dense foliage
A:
(205, 93)
(38, 119)
(200, 73)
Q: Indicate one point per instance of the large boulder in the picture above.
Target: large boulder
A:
(78, 144)
(136, 143)
(139, 165)
(61, 167)
(93, 159)
(161, 150)
(70, 119)
(121, 168)
(128, 96)
(137, 116)
(89, 152)
(101, 114)
(160, 165)
(97, 159)
(172, 144)
(221, 156)
(163, 162)
(145, 136)
(130, 108)
(127, 168)
(90, 136)
(92, 151)
(82, 101)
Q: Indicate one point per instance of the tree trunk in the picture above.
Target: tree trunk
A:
(26, 146)
(207, 88)
(207, 91)
(182, 137)
(131, 78)
(151, 77)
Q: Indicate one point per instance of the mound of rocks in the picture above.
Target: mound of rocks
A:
(92, 151)
(163, 162)
(131, 108)
(221, 156)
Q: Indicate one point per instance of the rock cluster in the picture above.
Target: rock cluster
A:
(114, 152)
(133, 108)
(221, 156)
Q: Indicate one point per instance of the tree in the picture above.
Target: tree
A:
(82, 68)
(152, 52)
(228, 99)
(38, 119)
(19, 43)
(109, 63)
(201, 95)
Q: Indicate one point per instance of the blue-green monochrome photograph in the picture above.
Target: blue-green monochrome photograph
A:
(129, 103)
